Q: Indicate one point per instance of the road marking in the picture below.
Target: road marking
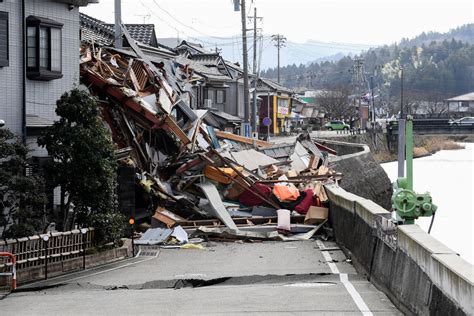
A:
(313, 284)
(358, 300)
(112, 269)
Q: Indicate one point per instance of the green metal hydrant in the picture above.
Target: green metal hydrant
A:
(408, 204)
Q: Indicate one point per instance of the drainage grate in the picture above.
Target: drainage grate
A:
(149, 251)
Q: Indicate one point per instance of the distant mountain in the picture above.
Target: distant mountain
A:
(464, 33)
(292, 53)
(433, 63)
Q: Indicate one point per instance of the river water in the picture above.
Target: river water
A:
(448, 176)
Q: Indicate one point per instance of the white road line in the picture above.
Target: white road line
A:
(358, 300)
(112, 269)
(328, 258)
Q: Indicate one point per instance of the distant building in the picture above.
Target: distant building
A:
(37, 68)
(276, 101)
(461, 105)
(221, 87)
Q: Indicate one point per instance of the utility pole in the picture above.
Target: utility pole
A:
(245, 62)
(373, 101)
(401, 93)
(118, 24)
(255, 75)
(358, 79)
(401, 133)
(279, 43)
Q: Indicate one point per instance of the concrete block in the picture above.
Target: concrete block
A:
(341, 197)
(409, 284)
(369, 210)
(455, 278)
(419, 245)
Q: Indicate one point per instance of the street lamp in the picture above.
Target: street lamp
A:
(46, 242)
(131, 221)
(84, 234)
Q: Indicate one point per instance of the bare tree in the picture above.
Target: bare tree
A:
(335, 102)
(436, 107)
(414, 101)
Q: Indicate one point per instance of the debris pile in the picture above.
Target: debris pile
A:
(199, 180)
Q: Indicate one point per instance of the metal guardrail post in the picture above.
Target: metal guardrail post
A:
(13, 273)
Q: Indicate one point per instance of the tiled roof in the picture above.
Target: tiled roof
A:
(192, 48)
(267, 84)
(202, 69)
(144, 33)
(464, 97)
(226, 116)
(102, 33)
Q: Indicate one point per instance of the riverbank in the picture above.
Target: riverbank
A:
(424, 145)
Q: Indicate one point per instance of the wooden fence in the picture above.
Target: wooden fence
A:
(54, 247)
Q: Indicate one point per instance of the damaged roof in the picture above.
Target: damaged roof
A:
(202, 69)
(97, 31)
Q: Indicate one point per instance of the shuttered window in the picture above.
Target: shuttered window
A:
(4, 39)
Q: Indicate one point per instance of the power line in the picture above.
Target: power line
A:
(185, 25)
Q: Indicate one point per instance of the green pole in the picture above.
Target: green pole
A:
(409, 151)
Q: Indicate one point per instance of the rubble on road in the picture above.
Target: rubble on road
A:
(199, 180)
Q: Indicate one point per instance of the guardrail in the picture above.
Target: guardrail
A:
(439, 129)
(419, 274)
(42, 249)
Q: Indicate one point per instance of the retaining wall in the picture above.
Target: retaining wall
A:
(419, 274)
(362, 175)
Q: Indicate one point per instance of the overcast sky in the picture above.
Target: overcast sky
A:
(347, 21)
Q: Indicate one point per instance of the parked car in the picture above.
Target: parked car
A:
(336, 125)
(465, 121)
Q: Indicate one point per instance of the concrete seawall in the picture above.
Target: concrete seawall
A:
(419, 274)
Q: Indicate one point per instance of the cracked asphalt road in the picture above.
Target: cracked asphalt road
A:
(226, 278)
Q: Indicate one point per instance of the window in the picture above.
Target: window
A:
(210, 94)
(4, 39)
(43, 48)
(220, 96)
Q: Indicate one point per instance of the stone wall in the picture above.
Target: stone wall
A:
(418, 273)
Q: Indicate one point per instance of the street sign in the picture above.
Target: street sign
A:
(267, 121)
